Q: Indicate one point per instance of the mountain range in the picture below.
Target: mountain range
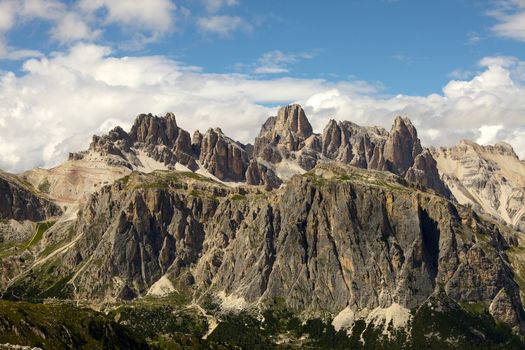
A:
(354, 237)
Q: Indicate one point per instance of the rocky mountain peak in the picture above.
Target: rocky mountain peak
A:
(402, 145)
(289, 137)
(292, 118)
(152, 130)
(223, 157)
(283, 134)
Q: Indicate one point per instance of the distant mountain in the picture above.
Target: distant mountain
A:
(356, 237)
(490, 178)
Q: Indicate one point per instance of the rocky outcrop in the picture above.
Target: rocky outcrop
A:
(352, 144)
(424, 172)
(258, 174)
(286, 145)
(160, 141)
(223, 157)
(20, 201)
(229, 160)
(503, 308)
(398, 151)
(489, 178)
(402, 146)
(155, 131)
(333, 238)
(283, 135)
(158, 138)
(287, 131)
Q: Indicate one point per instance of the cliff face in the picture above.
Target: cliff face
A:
(334, 238)
(489, 178)
(20, 201)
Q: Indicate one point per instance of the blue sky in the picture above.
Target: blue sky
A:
(408, 46)
(78, 67)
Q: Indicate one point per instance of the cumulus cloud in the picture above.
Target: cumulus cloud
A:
(61, 100)
(85, 19)
(489, 134)
(222, 25)
(9, 11)
(67, 24)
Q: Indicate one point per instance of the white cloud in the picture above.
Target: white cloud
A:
(9, 53)
(45, 9)
(61, 100)
(70, 27)
(489, 134)
(277, 62)
(7, 15)
(510, 15)
(473, 38)
(223, 25)
(503, 61)
(215, 5)
(153, 15)
(77, 21)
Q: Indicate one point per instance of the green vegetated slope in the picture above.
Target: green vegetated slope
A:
(62, 326)
(173, 323)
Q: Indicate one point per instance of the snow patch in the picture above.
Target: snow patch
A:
(162, 287)
(395, 315)
(231, 302)
(344, 320)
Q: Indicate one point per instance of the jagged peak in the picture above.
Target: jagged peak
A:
(151, 129)
(401, 122)
(294, 118)
(332, 123)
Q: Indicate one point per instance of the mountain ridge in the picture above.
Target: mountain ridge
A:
(287, 145)
(357, 226)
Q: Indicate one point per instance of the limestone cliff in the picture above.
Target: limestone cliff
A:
(334, 238)
(20, 201)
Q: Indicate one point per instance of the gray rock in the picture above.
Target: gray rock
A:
(20, 201)
(338, 236)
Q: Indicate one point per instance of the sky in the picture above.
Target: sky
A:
(71, 69)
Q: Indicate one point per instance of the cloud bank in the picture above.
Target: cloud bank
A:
(60, 100)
